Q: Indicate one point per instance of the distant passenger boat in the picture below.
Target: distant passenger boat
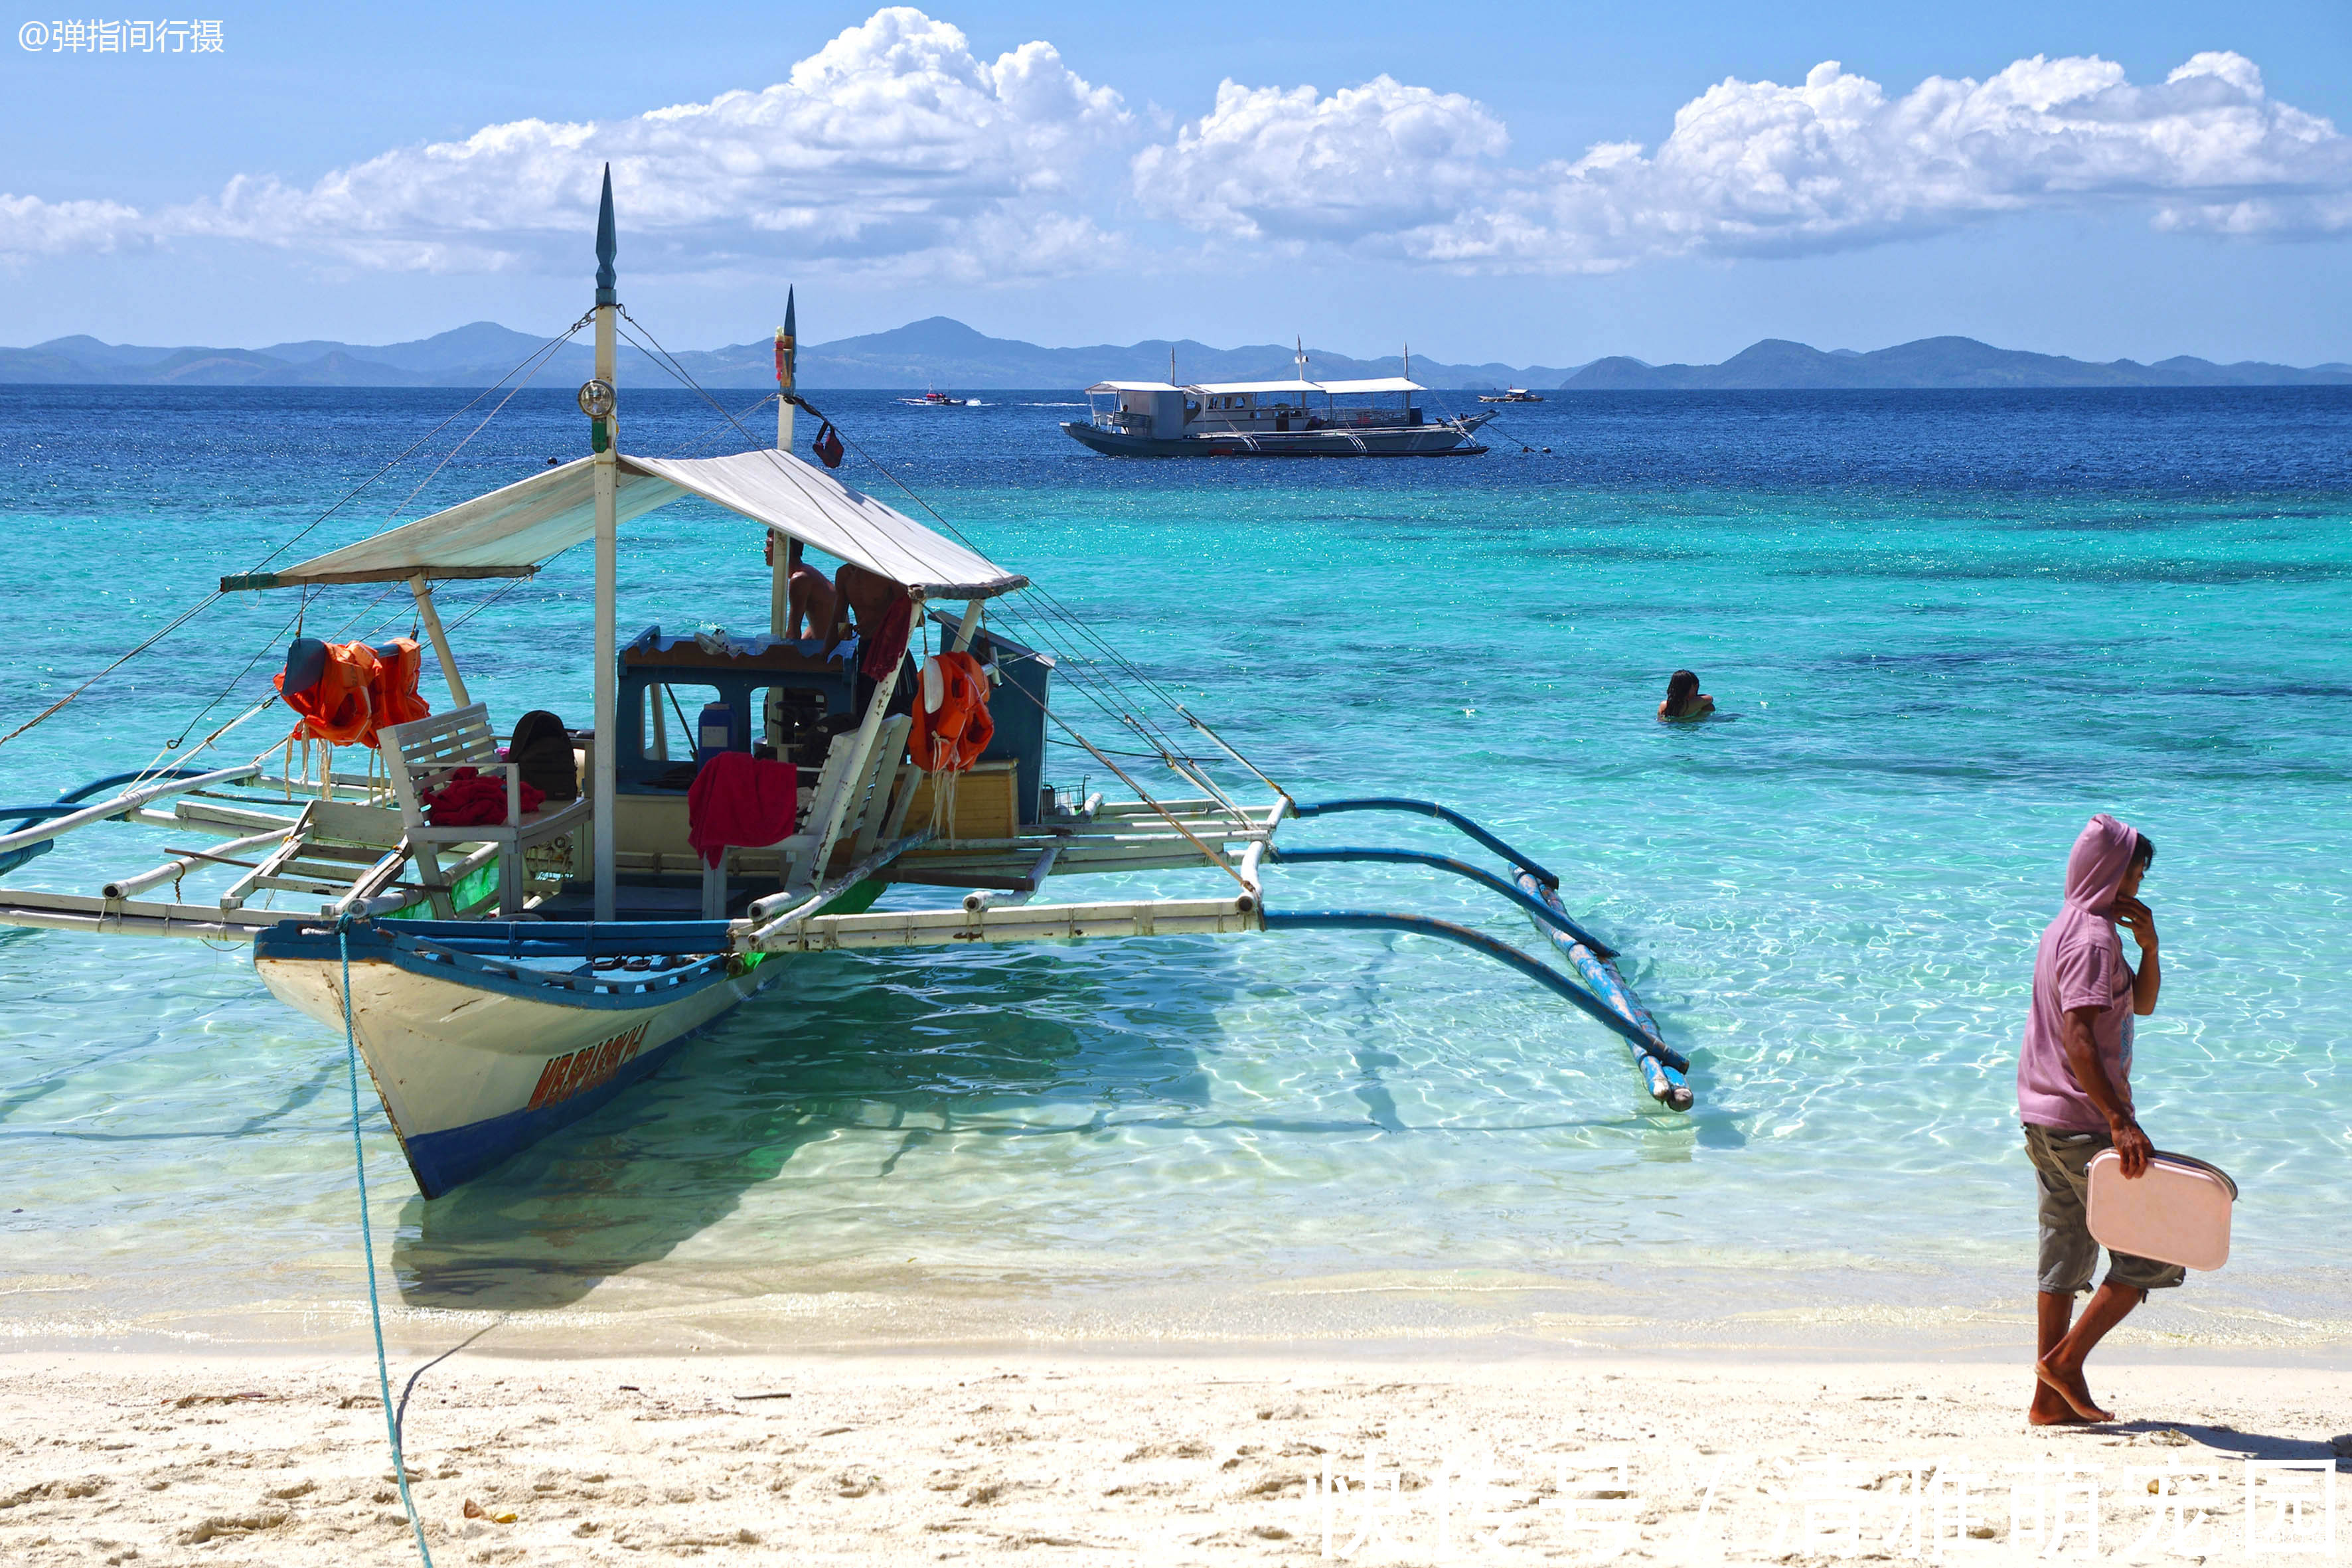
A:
(1268, 419)
(1516, 394)
(937, 399)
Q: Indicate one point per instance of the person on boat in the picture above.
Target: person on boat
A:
(810, 608)
(2074, 1098)
(864, 601)
(1685, 699)
(885, 621)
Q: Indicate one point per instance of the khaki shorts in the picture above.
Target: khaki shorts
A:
(2062, 1160)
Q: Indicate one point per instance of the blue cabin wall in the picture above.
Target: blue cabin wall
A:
(740, 676)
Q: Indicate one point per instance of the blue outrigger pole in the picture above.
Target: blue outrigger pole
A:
(1604, 995)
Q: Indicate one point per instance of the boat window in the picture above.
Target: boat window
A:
(671, 713)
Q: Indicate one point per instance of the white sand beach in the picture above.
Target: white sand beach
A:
(1497, 1457)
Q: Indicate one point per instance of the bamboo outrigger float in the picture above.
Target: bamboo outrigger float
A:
(503, 980)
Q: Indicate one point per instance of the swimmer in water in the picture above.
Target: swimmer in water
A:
(1684, 699)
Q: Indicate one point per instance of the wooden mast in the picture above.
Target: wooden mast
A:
(431, 618)
(780, 550)
(606, 439)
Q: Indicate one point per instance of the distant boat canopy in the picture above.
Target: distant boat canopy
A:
(1261, 388)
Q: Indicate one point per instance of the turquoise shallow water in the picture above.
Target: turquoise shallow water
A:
(1950, 627)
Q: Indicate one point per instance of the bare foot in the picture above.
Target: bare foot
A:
(2037, 1414)
(2048, 1409)
(2068, 1385)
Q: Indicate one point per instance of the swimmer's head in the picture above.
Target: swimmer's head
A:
(1680, 690)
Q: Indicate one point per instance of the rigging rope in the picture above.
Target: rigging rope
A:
(544, 355)
(1107, 699)
(1066, 618)
(182, 619)
(1213, 857)
(718, 426)
(1147, 730)
(367, 1245)
(546, 349)
(1103, 693)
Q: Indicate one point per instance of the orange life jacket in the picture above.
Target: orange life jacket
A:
(393, 690)
(951, 722)
(359, 692)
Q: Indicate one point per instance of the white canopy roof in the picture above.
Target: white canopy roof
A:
(1335, 388)
(1302, 388)
(508, 533)
(1218, 388)
(1377, 383)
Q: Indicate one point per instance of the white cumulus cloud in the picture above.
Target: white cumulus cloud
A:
(894, 141)
(31, 226)
(1289, 165)
(897, 150)
(1758, 168)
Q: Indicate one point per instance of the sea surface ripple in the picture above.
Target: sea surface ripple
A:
(1942, 630)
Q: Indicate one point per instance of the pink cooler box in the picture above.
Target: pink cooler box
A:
(2178, 1211)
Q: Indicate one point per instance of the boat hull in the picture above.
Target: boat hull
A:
(474, 1064)
(1339, 441)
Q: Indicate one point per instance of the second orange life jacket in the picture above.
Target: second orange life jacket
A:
(359, 690)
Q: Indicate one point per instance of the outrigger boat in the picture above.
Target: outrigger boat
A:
(1510, 394)
(506, 975)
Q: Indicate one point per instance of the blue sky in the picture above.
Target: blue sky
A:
(2099, 180)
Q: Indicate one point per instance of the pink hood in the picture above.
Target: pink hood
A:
(2094, 871)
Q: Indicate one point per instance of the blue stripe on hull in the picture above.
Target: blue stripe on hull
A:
(449, 1159)
(453, 1156)
(372, 942)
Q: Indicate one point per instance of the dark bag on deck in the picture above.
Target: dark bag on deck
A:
(541, 747)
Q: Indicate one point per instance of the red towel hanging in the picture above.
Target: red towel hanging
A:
(739, 799)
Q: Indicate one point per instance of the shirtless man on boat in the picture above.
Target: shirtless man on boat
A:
(810, 601)
(869, 596)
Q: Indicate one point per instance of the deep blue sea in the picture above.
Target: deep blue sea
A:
(1942, 630)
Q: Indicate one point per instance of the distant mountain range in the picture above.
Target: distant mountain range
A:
(1777, 365)
(942, 353)
(937, 352)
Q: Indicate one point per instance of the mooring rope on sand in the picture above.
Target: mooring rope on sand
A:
(367, 1244)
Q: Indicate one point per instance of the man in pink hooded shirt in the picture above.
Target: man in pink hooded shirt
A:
(2073, 1094)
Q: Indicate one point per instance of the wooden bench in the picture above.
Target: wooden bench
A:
(420, 756)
